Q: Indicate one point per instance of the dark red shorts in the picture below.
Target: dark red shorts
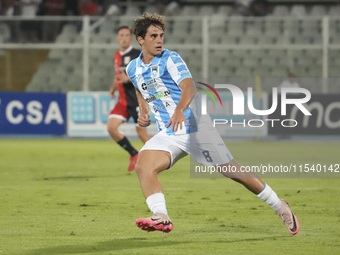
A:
(124, 112)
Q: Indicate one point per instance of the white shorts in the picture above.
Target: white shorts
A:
(206, 147)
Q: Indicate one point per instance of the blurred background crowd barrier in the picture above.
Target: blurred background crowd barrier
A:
(75, 53)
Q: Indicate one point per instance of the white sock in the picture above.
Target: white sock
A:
(269, 196)
(156, 203)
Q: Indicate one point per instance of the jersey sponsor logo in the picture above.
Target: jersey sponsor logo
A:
(150, 86)
(157, 108)
(127, 60)
(183, 72)
(154, 71)
(158, 96)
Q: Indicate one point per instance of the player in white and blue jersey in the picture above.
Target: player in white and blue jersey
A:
(165, 87)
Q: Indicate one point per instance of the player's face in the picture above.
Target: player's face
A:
(153, 41)
(124, 38)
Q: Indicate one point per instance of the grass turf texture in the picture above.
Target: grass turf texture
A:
(76, 197)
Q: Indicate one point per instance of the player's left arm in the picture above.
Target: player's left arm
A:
(188, 93)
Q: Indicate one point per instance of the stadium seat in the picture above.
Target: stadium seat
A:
(333, 71)
(57, 53)
(103, 38)
(291, 27)
(273, 28)
(108, 27)
(174, 38)
(97, 80)
(256, 53)
(69, 28)
(315, 39)
(247, 40)
(334, 38)
(125, 21)
(276, 53)
(5, 32)
(263, 71)
(95, 55)
(217, 21)
(230, 39)
(224, 10)
(334, 85)
(318, 10)
(236, 26)
(151, 9)
(301, 39)
(278, 72)
(39, 81)
(281, 10)
(243, 71)
(254, 30)
(225, 72)
(311, 26)
(314, 71)
(334, 26)
(189, 10)
(250, 62)
(234, 61)
(217, 57)
(57, 84)
(74, 83)
(206, 10)
(194, 37)
(65, 38)
(298, 10)
(334, 11)
(215, 34)
(132, 10)
(196, 26)
(180, 26)
(269, 61)
(266, 39)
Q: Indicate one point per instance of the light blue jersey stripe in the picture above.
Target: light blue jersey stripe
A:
(158, 83)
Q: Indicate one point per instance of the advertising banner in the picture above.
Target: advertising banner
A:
(324, 118)
(88, 114)
(32, 113)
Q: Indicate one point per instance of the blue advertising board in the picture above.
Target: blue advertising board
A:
(32, 113)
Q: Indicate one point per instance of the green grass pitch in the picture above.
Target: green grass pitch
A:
(76, 197)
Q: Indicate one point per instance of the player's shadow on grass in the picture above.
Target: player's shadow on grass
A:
(131, 244)
(107, 246)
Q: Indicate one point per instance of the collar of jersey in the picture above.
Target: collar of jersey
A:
(155, 61)
(126, 51)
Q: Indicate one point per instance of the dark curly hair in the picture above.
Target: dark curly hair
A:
(142, 23)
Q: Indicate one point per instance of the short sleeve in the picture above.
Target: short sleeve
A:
(177, 68)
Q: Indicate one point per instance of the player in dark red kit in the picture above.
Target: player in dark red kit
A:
(127, 105)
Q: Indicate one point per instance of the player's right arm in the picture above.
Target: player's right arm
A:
(143, 119)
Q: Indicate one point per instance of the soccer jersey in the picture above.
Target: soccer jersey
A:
(158, 83)
(127, 93)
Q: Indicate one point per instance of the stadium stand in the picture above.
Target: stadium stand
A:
(268, 46)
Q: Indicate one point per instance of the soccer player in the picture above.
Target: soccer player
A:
(127, 104)
(165, 86)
